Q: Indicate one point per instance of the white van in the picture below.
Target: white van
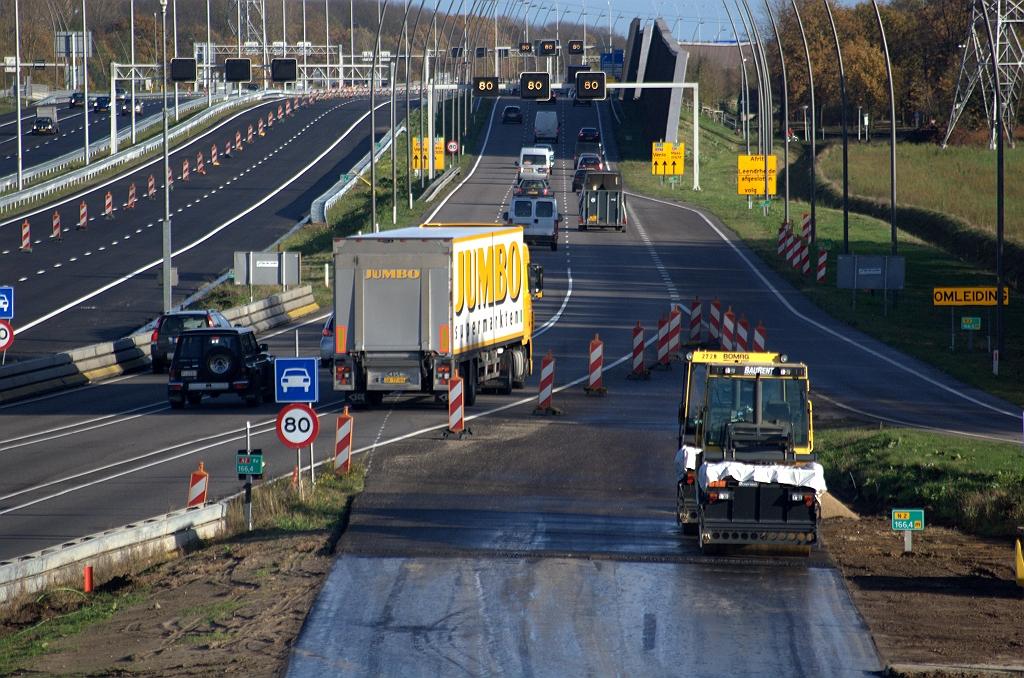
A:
(539, 218)
(545, 127)
(535, 163)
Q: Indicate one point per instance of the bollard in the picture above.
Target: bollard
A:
(805, 227)
(238, 140)
(198, 483)
(270, 119)
(184, 170)
(675, 322)
(759, 338)
(248, 138)
(108, 206)
(662, 363)
(456, 407)
(783, 232)
(170, 179)
(26, 238)
(638, 370)
(797, 249)
(213, 156)
(546, 389)
(343, 443)
(55, 233)
(822, 262)
(131, 198)
(741, 334)
(87, 587)
(715, 326)
(696, 313)
(200, 169)
(729, 331)
(594, 386)
(791, 244)
(151, 188)
(259, 126)
(83, 217)
(805, 259)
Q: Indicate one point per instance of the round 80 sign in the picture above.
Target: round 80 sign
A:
(6, 335)
(297, 425)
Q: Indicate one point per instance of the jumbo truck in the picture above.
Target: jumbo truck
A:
(414, 305)
(746, 469)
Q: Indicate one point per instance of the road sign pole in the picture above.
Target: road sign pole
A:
(248, 479)
(908, 541)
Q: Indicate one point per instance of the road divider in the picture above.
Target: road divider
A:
(113, 358)
(318, 210)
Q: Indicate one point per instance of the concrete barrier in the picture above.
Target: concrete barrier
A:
(110, 359)
(154, 537)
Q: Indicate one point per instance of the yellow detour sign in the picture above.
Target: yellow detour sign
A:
(438, 154)
(967, 296)
(418, 159)
(750, 175)
(667, 158)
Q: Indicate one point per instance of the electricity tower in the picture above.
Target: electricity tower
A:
(976, 69)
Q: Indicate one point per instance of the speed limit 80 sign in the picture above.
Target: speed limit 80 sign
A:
(486, 87)
(6, 335)
(536, 86)
(297, 425)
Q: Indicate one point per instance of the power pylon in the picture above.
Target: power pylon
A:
(976, 68)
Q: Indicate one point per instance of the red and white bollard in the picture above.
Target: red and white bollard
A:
(227, 149)
(456, 405)
(596, 368)
(238, 139)
(213, 156)
(184, 170)
(280, 111)
(26, 237)
(696, 317)
(791, 245)
(270, 119)
(822, 263)
(759, 338)
(663, 341)
(259, 126)
(741, 333)
(131, 198)
(343, 443)
(715, 326)
(83, 217)
(638, 350)
(151, 187)
(248, 139)
(200, 169)
(729, 331)
(805, 227)
(198, 483)
(108, 206)
(288, 108)
(547, 384)
(55, 234)
(675, 329)
(805, 259)
(170, 178)
(783, 232)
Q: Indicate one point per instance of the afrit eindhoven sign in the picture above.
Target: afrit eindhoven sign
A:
(967, 296)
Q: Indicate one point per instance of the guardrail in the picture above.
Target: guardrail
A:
(318, 210)
(28, 195)
(62, 564)
(439, 184)
(29, 174)
(95, 363)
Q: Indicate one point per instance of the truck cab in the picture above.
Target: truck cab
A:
(746, 470)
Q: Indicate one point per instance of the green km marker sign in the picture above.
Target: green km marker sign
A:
(907, 519)
(249, 464)
(968, 323)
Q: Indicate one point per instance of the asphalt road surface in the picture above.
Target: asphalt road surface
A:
(101, 283)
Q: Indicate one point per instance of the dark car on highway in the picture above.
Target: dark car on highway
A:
(512, 114)
(215, 361)
(589, 134)
(77, 99)
(578, 179)
(169, 327)
(101, 105)
(533, 187)
(128, 104)
(589, 161)
(45, 126)
(550, 102)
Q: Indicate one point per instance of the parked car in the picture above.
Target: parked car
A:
(127, 105)
(512, 114)
(77, 99)
(214, 361)
(45, 126)
(578, 178)
(590, 161)
(101, 105)
(589, 134)
(533, 187)
(169, 327)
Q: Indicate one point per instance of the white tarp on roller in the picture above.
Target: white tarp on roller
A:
(686, 460)
(809, 474)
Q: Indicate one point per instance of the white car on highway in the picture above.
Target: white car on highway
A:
(295, 377)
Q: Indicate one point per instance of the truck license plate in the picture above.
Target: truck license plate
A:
(395, 380)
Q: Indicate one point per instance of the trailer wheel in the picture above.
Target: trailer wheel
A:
(519, 362)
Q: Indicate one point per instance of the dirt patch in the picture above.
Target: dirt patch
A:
(952, 601)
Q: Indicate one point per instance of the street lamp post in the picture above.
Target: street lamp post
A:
(167, 167)
(17, 87)
(846, 144)
(1000, 212)
(86, 43)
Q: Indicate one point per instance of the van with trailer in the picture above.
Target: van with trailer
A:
(545, 126)
(539, 219)
(414, 305)
(602, 202)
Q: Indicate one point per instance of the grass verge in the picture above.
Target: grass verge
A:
(916, 326)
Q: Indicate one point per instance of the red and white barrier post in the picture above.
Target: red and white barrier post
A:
(791, 244)
(131, 198)
(638, 370)
(759, 338)
(456, 406)
(783, 232)
(741, 333)
(170, 178)
(696, 313)
(547, 385)
(213, 156)
(805, 227)
(822, 263)
(198, 484)
(249, 137)
(270, 119)
(805, 259)
(200, 169)
(280, 111)
(715, 326)
(259, 126)
(729, 331)
(675, 330)
(26, 238)
(184, 170)
(108, 206)
(343, 443)
(83, 217)
(151, 187)
(663, 343)
(55, 234)
(288, 108)
(238, 139)
(594, 386)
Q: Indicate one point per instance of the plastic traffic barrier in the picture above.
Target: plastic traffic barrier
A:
(248, 138)
(456, 406)
(131, 198)
(547, 384)
(55, 234)
(759, 338)
(198, 484)
(741, 333)
(200, 169)
(715, 326)
(83, 217)
(791, 245)
(783, 232)
(26, 238)
(594, 386)
(805, 226)
(343, 443)
(151, 188)
(238, 140)
(729, 331)
(805, 259)
(213, 156)
(822, 263)
(108, 206)
(184, 170)
(170, 179)
(663, 341)
(675, 323)
(696, 313)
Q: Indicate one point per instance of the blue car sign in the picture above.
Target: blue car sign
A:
(296, 380)
(6, 303)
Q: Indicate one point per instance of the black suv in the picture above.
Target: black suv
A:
(170, 325)
(220, 360)
(77, 99)
(512, 114)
